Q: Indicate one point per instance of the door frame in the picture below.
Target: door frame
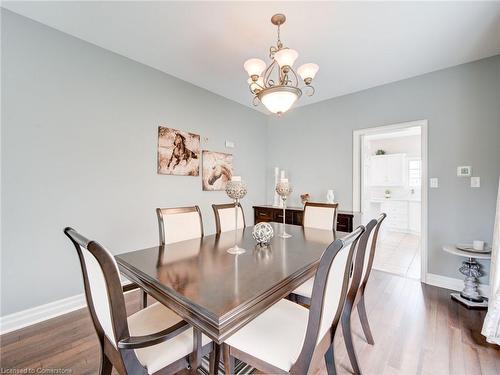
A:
(357, 178)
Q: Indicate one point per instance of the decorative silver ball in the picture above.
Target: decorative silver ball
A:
(236, 189)
(283, 188)
(262, 233)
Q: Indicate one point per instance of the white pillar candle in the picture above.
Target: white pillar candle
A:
(282, 174)
(236, 178)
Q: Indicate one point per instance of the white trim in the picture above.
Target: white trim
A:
(453, 284)
(21, 319)
(37, 314)
(357, 177)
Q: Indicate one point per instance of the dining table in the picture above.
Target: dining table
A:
(217, 292)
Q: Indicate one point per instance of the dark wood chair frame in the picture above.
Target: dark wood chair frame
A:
(356, 293)
(217, 207)
(309, 349)
(121, 354)
(324, 205)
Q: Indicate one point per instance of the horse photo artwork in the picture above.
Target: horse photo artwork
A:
(178, 152)
(217, 170)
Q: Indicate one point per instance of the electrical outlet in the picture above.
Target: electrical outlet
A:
(434, 182)
(229, 144)
(475, 182)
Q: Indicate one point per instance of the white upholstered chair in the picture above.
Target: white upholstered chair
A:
(320, 215)
(179, 224)
(225, 217)
(152, 341)
(286, 337)
(365, 254)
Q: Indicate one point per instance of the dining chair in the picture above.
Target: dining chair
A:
(225, 217)
(287, 337)
(363, 262)
(320, 215)
(179, 224)
(154, 340)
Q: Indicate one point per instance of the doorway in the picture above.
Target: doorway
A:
(390, 175)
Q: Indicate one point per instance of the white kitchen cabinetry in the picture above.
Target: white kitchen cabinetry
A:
(402, 215)
(387, 170)
(397, 214)
(414, 216)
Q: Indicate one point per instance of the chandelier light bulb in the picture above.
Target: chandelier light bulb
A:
(254, 67)
(286, 57)
(308, 71)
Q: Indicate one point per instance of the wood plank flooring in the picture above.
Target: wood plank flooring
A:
(417, 330)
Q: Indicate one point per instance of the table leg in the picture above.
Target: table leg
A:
(214, 359)
(195, 358)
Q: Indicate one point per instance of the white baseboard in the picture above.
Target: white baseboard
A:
(453, 284)
(37, 314)
(21, 319)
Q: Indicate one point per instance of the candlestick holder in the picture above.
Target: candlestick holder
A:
(284, 189)
(236, 189)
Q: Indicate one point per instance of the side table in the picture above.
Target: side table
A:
(469, 296)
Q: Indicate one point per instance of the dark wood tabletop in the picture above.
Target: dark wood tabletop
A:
(218, 292)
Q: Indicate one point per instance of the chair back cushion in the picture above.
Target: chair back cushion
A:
(320, 216)
(332, 299)
(99, 293)
(227, 218)
(179, 224)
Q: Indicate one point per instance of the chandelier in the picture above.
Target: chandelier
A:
(277, 85)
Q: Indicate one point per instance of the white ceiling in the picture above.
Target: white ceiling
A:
(357, 45)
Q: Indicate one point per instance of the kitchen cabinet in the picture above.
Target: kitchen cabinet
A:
(387, 170)
(402, 215)
(414, 216)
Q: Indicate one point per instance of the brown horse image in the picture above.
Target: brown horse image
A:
(181, 152)
(219, 171)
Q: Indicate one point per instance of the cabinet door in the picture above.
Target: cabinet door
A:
(395, 168)
(414, 216)
(378, 171)
(397, 214)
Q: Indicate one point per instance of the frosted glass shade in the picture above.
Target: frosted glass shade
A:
(286, 57)
(308, 70)
(279, 99)
(254, 67)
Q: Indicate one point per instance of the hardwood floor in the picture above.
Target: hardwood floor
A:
(417, 330)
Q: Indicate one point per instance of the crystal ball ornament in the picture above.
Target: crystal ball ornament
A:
(262, 233)
(236, 189)
(283, 188)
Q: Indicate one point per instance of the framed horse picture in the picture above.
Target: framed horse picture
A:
(178, 152)
(217, 170)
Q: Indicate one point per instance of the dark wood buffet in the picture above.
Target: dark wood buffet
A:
(294, 215)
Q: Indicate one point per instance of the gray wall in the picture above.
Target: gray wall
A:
(462, 105)
(79, 135)
(78, 148)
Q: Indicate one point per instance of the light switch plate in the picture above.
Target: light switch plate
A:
(475, 182)
(464, 171)
(434, 182)
(229, 144)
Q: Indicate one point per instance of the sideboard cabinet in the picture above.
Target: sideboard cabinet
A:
(295, 215)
